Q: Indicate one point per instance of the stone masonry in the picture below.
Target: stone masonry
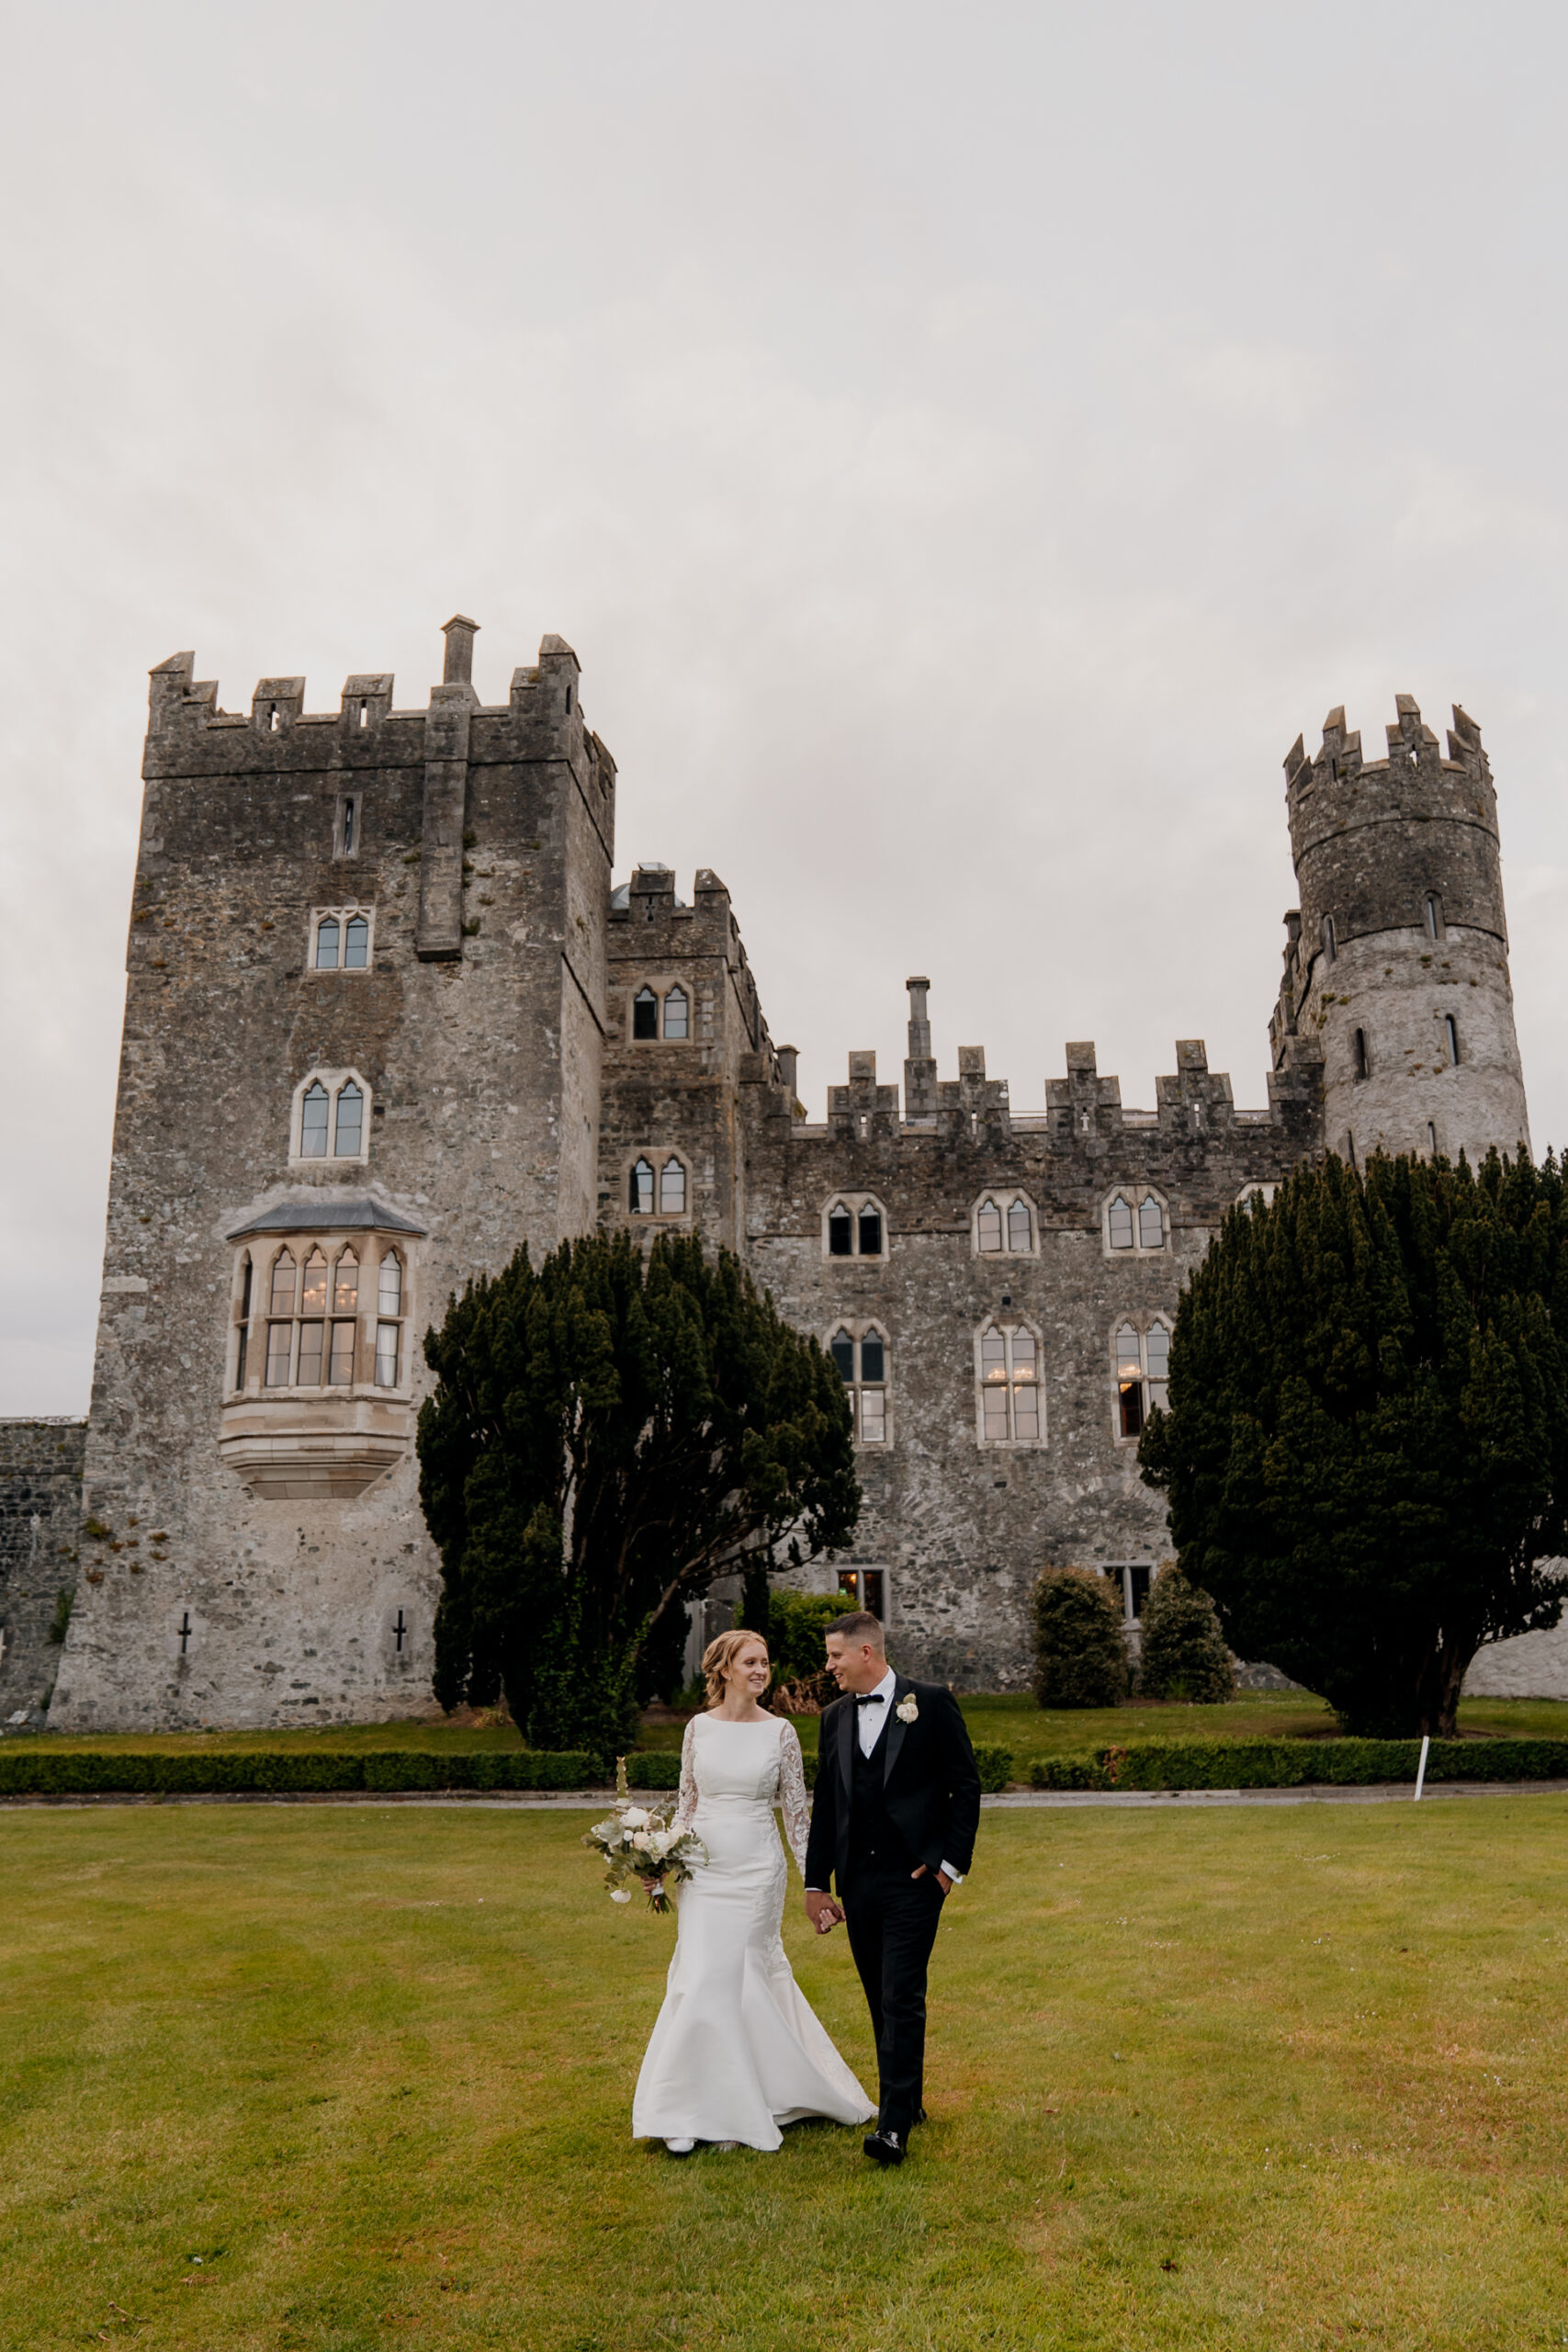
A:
(41, 1515)
(386, 1017)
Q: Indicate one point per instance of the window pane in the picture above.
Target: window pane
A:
(350, 1114)
(390, 1287)
(841, 1233)
(675, 1013)
(240, 1364)
(1019, 1239)
(645, 1013)
(245, 1291)
(1120, 1225)
(1129, 1361)
(345, 1284)
(279, 1337)
(869, 1233)
(672, 1189)
(283, 1272)
(313, 1297)
(988, 1225)
(326, 945)
(1157, 1351)
(1159, 1395)
(385, 1355)
(1023, 1355)
(1151, 1224)
(873, 1358)
(356, 943)
(311, 1337)
(639, 1192)
(873, 1423)
(848, 1581)
(341, 1371)
(875, 1592)
(1026, 1412)
(313, 1123)
(993, 1356)
(1140, 1582)
(995, 1401)
(842, 1347)
(1132, 1409)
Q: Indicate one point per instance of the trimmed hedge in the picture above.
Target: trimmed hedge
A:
(32, 1771)
(35, 1772)
(1300, 1763)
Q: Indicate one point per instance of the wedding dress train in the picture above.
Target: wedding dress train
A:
(737, 2050)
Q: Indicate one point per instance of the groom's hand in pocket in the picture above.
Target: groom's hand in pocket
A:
(942, 1878)
(822, 1911)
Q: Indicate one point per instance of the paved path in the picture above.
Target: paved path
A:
(594, 1801)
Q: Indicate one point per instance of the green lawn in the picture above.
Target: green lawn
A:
(1242, 2079)
(1010, 1721)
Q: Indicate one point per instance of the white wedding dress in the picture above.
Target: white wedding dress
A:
(737, 2049)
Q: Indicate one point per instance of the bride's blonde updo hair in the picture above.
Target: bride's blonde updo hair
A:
(720, 1656)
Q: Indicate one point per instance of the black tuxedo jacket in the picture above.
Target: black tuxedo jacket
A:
(931, 1787)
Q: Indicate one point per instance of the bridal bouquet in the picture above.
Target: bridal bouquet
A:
(638, 1842)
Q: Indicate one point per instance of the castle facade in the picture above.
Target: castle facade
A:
(386, 1016)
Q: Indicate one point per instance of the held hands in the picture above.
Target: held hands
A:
(822, 1911)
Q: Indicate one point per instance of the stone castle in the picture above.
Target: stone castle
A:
(387, 1016)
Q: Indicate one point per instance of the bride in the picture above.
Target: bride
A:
(737, 2050)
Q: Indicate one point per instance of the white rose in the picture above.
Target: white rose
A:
(907, 1711)
(636, 1818)
(620, 1895)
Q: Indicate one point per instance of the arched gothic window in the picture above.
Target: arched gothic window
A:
(645, 1013)
(639, 1191)
(672, 1189)
(1142, 1230)
(988, 1227)
(1143, 1368)
(356, 943)
(313, 1116)
(863, 1367)
(1021, 1229)
(1119, 1221)
(349, 1124)
(676, 1013)
(1151, 1224)
(327, 936)
(854, 1228)
(1009, 1385)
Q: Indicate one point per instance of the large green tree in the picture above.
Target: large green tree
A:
(609, 1432)
(1366, 1449)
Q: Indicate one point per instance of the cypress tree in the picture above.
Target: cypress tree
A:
(1366, 1449)
(609, 1433)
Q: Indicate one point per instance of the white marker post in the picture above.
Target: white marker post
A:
(1421, 1768)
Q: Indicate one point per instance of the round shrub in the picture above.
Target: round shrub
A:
(1184, 1655)
(1080, 1656)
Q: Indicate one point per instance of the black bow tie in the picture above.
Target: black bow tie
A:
(871, 1698)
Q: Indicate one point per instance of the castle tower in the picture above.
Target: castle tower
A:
(1396, 966)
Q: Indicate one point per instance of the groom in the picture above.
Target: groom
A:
(894, 1817)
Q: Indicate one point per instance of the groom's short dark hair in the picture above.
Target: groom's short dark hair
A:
(857, 1625)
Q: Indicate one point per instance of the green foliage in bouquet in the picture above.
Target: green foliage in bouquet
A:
(609, 1431)
(1366, 1450)
(1080, 1656)
(1183, 1653)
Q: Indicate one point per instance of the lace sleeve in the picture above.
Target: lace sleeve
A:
(686, 1804)
(793, 1799)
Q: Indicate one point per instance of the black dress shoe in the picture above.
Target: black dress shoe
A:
(885, 2147)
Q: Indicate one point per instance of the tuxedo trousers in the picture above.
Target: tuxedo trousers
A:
(892, 1920)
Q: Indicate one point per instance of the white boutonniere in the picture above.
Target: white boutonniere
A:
(907, 1711)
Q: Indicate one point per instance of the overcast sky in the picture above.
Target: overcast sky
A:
(964, 446)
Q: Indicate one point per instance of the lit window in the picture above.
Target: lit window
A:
(639, 1197)
(345, 1284)
(865, 1588)
(841, 1233)
(1450, 1033)
(675, 1013)
(327, 935)
(356, 943)
(313, 1294)
(1021, 1231)
(645, 1013)
(863, 1367)
(1120, 1222)
(1143, 1368)
(313, 1123)
(1009, 1385)
(1151, 1224)
(988, 1227)
(313, 1329)
(313, 1311)
(350, 1121)
(672, 1189)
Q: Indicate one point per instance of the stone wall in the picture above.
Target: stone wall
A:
(40, 1508)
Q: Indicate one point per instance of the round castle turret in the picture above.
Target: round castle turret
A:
(1396, 969)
